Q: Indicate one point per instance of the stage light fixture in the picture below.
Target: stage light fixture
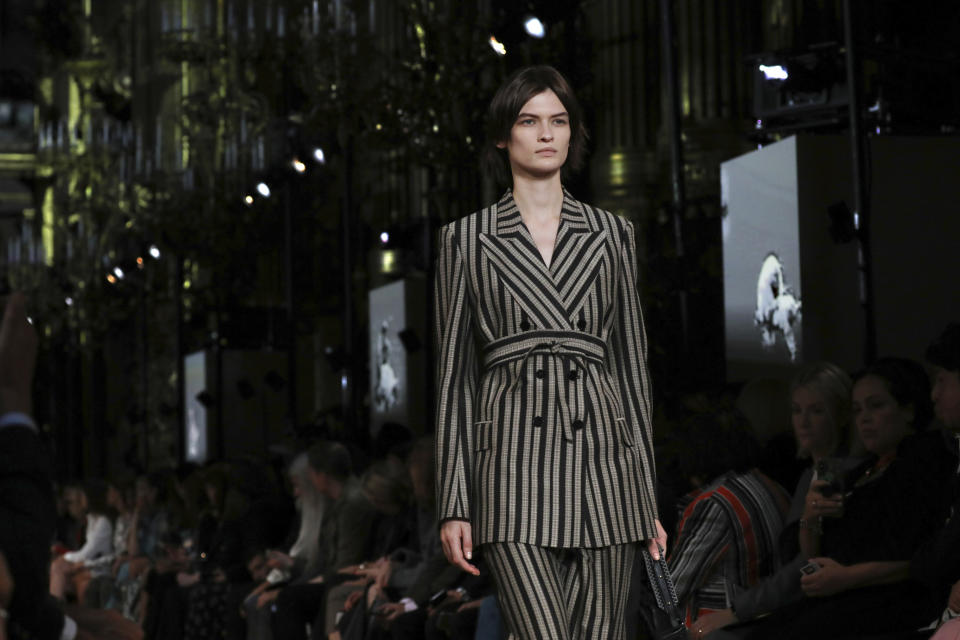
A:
(497, 46)
(774, 72)
(117, 271)
(248, 200)
(384, 237)
(154, 252)
(534, 27)
(298, 165)
(69, 301)
(139, 262)
(319, 156)
(263, 189)
(112, 279)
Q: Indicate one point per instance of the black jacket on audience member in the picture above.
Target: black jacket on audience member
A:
(27, 525)
(936, 563)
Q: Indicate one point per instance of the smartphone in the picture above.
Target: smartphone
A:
(810, 567)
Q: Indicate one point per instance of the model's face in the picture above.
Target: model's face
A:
(881, 422)
(813, 424)
(946, 397)
(540, 137)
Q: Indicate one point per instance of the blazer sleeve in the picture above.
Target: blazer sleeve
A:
(457, 375)
(628, 358)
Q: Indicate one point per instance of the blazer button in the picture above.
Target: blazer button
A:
(524, 325)
(581, 324)
(538, 421)
(572, 375)
(578, 424)
(539, 373)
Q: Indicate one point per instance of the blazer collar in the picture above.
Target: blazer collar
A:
(509, 222)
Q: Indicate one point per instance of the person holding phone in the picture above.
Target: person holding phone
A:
(543, 421)
(821, 422)
(897, 497)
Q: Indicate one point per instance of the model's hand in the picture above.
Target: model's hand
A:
(457, 544)
(18, 357)
(831, 578)
(654, 545)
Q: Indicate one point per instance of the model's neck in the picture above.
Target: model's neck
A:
(538, 198)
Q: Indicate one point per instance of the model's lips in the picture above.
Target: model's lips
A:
(548, 151)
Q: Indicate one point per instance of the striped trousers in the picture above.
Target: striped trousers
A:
(561, 594)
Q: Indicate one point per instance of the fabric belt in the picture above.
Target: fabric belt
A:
(569, 344)
(521, 346)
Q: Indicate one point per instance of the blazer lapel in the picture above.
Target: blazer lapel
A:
(553, 295)
(576, 255)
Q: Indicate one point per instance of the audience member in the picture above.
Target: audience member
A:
(819, 407)
(849, 591)
(303, 557)
(728, 531)
(345, 539)
(72, 572)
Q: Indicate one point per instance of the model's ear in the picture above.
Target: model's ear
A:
(502, 144)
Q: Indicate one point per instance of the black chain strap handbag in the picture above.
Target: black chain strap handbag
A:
(662, 613)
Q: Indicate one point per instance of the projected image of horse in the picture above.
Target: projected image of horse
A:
(778, 310)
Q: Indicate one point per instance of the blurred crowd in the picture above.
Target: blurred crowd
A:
(840, 527)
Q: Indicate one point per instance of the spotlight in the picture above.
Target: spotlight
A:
(117, 271)
(774, 72)
(154, 252)
(111, 278)
(69, 301)
(263, 189)
(497, 46)
(248, 200)
(319, 156)
(384, 237)
(298, 166)
(534, 27)
(139, 262)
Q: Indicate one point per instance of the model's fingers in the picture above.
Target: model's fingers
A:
(467, 540)
(446, 549)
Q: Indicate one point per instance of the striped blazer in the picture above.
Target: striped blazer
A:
(543, 429)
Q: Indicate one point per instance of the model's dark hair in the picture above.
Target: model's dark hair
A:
(908, 383)
(944, 352)
(505, 106)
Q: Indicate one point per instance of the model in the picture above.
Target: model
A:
(544, 448)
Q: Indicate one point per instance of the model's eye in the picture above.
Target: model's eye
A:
(528, 121)
(560, 121)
